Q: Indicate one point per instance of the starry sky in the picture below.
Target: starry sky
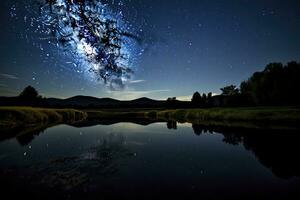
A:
(187, 46)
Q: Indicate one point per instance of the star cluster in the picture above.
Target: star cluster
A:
(158, 48)
(99, 41)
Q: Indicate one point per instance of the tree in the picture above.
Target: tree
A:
(29, 93)
(196, 99)
(209, 95)
(209, 101)
(171, 102)
(230, 90)
(277, 84)
(204, 97)
(171, 99)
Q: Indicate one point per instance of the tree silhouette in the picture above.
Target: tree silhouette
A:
(209, 95)
(171, 102)
(29, 93)
(209, 101)
(204, 98)
(171, 99)
(275, 85)
(230, 90)
(196, 99)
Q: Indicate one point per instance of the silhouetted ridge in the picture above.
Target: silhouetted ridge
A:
(88, 101)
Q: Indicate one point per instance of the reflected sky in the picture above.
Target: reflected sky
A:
(134, 159)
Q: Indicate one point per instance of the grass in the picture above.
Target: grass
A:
(270, 114)
(11, 117)
(259, 114)
(243, 116)
(290, 116)
(252, 117)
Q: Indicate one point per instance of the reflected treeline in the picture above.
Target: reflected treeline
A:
(200, 129)
(278, 152)
(275, 149)
(24, 135)
(172, 125)
(26, 138)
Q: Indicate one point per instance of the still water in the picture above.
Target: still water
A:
(165, 159)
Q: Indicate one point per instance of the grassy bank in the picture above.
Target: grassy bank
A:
(11, 117)
(26, 116)
(251, 116)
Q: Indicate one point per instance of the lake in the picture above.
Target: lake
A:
(163, 159)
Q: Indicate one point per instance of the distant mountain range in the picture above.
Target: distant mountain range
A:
(84, 101)
(88, 101)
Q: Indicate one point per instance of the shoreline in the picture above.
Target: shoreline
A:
(244, 117)
(252, 117)
(13, 117)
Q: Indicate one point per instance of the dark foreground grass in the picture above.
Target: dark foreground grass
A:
(11, 117)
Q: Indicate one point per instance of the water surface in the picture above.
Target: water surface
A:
(144, 161)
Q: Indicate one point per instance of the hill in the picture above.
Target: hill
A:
(83, 102)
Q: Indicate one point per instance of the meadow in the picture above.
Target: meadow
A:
(11, 117)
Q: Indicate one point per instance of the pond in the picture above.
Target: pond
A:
(162, 159)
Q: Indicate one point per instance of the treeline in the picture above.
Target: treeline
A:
(276, 85)
(28, 97)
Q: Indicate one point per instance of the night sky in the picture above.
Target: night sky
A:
(185, 46)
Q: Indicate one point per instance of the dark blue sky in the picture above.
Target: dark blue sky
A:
(190, 45)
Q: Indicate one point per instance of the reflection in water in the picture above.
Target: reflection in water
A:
(98, 166)
(61, 176)
(25, 138)
(199, 129)
(23, 135)
(172, 125)
(277, 150)
(102, 160)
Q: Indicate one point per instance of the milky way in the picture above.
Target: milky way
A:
(97, 39)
